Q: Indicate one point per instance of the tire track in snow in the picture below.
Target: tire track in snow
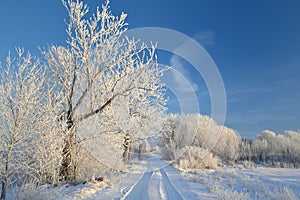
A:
(140, 189)
(145, 188)
(154, 189)
(171, 191)
(162, 191)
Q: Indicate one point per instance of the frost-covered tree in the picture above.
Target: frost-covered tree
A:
(205, 125)
(187, 134)
(260, 150)
(227, 146)
(45, 148)
(21, 111)
(245, 152)
(293, 147)
(178, 133)
(98, 68)
(137, 121)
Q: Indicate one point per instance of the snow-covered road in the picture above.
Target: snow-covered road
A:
(153, 185)
(161, 181)
(149, 179)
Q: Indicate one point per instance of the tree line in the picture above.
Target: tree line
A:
(196, 141)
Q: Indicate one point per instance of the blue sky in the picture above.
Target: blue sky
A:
(255, 44)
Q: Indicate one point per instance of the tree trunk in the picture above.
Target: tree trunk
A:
(3, 190)
(76, 160)
(127, 148)
(6, 174)
(126, 156)
(4, 186)
(65, 171)
(141, 150)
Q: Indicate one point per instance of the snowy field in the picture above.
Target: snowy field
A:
(156, 179)
(255, 183)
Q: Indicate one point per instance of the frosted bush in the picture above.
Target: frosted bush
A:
(37, 193)
(231, 195)
(197, 158)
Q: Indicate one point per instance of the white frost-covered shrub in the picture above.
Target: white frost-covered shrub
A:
(197, 158)
(37, 193)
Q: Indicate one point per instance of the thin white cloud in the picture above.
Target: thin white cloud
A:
(181, 76)
(179, 82)
(205, 38)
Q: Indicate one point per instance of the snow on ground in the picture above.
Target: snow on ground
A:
(162, 181)
(144, 180)
(115, 187)
(155, 179)
(255, 183)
